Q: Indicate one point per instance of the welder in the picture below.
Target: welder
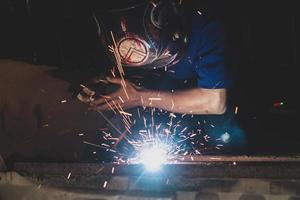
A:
(182, 54)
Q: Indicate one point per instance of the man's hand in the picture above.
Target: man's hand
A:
(126, 96)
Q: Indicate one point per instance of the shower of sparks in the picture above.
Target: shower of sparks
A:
(163, 134)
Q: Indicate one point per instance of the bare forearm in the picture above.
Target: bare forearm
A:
(193, 101)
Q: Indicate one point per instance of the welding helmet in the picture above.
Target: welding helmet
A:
(144, 34)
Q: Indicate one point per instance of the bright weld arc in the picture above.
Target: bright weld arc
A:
(153, 158)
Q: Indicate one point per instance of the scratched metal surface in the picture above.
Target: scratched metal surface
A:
(202, 167)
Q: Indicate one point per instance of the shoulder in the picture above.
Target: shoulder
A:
(206, 26)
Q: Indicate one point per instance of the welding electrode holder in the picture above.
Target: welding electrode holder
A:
(94, 89)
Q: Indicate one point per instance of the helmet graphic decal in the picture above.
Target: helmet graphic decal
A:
(133, 50)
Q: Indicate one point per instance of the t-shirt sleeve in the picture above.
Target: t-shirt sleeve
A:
(210, 59)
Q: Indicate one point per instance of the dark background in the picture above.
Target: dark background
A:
(264, 37)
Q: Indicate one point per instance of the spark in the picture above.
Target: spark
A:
(119, 64)
(99, 170)
(115, 105)
(121, 137)
(121, 99)
(112, 125)
(69, 175)
(167, 53)
(63, 101)
(126, 123)
(95, 145)
(145, 120)
(117, 56)
(105, 183)
(236, 110)
(184, 130)
(172, 115)
(278, 104)
(105, 145)
(110, 48)
(154, 99)
(153, 4)
(199, 12)
(138, 111)
(113, 72)
(172, 105)
(142, 100)
(125, 113)
(112, 170)
(206, 137)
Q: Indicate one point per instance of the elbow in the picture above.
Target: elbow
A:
(218, 105)
(218, 109)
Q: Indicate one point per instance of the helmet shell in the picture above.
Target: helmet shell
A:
(144, 34)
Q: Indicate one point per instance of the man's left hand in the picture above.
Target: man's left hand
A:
(126, 96)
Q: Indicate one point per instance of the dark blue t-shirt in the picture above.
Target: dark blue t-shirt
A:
(205, 59)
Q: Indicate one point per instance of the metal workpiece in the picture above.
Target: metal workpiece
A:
(286, 167)
(226, 177)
